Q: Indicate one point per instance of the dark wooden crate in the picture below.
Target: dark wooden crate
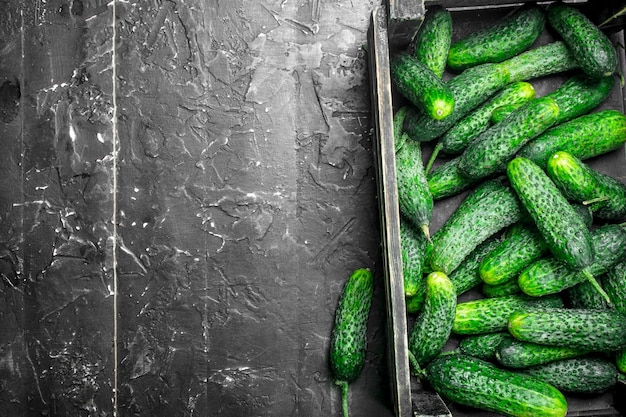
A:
(392, 28)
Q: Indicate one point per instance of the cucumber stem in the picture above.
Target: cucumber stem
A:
(596, 285)
(595, 200)
(344, 396)
(417, 369)
(433, 156)
(426, 230)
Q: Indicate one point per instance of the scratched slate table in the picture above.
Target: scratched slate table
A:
(185, 186)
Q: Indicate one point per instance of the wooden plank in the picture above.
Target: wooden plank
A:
(404, 19)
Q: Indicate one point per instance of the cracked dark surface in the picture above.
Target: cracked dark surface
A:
(244, 195)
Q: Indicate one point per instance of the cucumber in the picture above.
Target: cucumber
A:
(348, 343)
(398, 121)
(446, 180)
(432, 40)
(488, 315)
(501, 290)
(415, 302)
(433, 325)
(506, 38)
(591, 47)
(421, 86)
(544, 60)
(620, 360)
(564, 231)
(490, 152)
(477, 383)
(582, 184)
(503, 111)
(466, 277)
(514, 353)
(414, 197)
(491, 207)
(614, 282)
(584, 295)
(412, 250)
(483, 346)
(549, 275)
(469, 89)
(584, 137)
(588, 375)
(455, 140)
(593, 330)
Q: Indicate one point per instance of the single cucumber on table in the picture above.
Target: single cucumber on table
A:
(593, 330)
(483, 346)
(348, 342)
(455, 140)
(593, 50)
(421, 86)
(414, 197)
(588, 375)
(446, 180)
(477, 383)
(490, 152)
(465, 276)
(582, 184)
(584, 137)
(469, 89)
(550, 275)
(544, 60)
(413, 245)
(487, 315)
(517, 354)
(432, 40)
(502, 40)
(489, 208)
(433, 325)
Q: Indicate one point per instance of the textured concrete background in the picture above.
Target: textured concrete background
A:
(218, 153)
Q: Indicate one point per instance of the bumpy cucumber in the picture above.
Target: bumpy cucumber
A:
(487, 315)
(491, 207)
(446, 180)
(550, 275)
(593, 330)
(414, 197)
(483, 346)
(514, 353)
(614, 283)
(455, 140)
(412, 249)
(584, 137)
(544, 60)
(469, 89)
(490, 152)
(592, 48)
(433, 39)
(506, 38)
(348, 342)
(582, 184)
(584, 295)
(501, 290)
(415, 303)
(433, 325)
(564, 231)
(398, 133)
(503, 111)
(477, 383)
(466, 277)
(421, 86)
(588, 375)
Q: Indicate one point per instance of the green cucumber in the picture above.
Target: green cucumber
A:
(514, 353)
(421, 86)
(491, 207)
(584, 137)
(614, 283)
(414, 197)
(502, 40)
(593, 330)
(544, 60)
(398, 121)
(415, 303)
(588, 375)
(500, 113)
(591, 47)
(446, 180)
(582, 184)
(477, 383)
(550, 275)
(483, 346)
(501, 290)
(488, 315)
(470, 89)
(348, 344)
(433, 325)
(412, 250)
(620, 360)
(455, 140)
(465, 276)
(432, 40)
(584, 295)
(490, 152)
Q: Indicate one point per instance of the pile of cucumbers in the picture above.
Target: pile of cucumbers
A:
(540, 234)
